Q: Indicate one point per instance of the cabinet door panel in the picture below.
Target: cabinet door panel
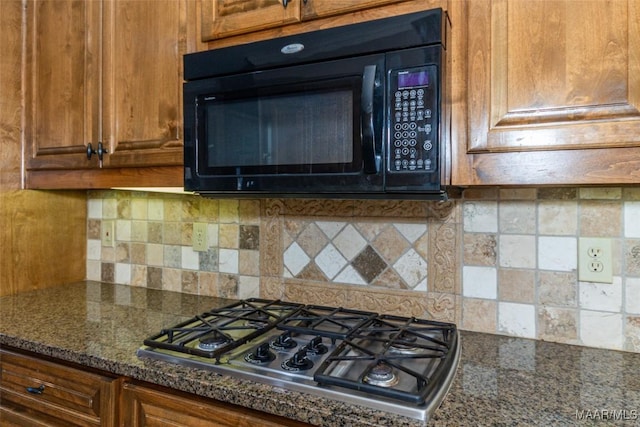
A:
(46, 393)
(144, 41)
(62, 94)
(148, 407)
(552, 92)
(223, 18)
(559, 75)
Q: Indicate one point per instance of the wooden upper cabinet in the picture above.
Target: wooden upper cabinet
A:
(143, 44)
(223, 18)
(62, 88)
(106, 71)
(552, 92)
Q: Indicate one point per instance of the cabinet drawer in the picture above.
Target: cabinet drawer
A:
(37, 392)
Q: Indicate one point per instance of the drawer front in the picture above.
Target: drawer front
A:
(54, 394)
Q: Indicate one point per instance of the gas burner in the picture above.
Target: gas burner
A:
(299, 362)
(283, 342)
(257, 319)
(403, 342)
(382, 375)
(212, 341)
(261, 355)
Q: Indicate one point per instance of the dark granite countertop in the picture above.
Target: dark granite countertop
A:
(501, 381)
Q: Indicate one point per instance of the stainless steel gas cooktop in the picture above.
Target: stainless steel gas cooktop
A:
(396, 364)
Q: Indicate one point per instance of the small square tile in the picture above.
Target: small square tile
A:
(208, 260)
(600, 219)
(518, 217)
(632, 295)
(558, 288)
(480, 216)
(601, 329)
(601, 296)
(557, 253)
(412, 232)
(557, 217)
(517, 285)
(228, 261)
(479, 315)
(558, 324)
(229, 211)
(480, 249)
(517, 251)
(517, 319)
(190, 259)
(632, 220)
(606, 193)
(249, 237)
(479, 282)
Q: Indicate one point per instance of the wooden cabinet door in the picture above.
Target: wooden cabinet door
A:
(320, 8)
(553, 92)
(143, 43)
(223, 18)
(35, 392)
(149, 407)
(62, 93)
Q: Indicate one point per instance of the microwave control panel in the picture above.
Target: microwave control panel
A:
(413, 120)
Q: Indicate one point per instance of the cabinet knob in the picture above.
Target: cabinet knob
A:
(101, 151)
(34, 390)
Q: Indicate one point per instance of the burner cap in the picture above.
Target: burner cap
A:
(403, 342)
(381, 374)
(212, 341)
(257, 319)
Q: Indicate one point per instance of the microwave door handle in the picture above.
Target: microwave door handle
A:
(370, 162)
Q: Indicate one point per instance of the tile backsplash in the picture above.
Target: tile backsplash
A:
(498, 260)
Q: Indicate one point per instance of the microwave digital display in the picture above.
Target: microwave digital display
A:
(412, 79)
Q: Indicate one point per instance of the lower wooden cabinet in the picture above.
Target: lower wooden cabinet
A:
(38, 392)
(147, 406)
(35, 392)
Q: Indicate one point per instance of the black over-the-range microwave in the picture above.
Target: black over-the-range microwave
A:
(357, 111)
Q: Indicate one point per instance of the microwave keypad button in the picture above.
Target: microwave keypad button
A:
(427, 145)
(413, 142)
(427, 113)
(427, 128)
(397, 143)
(412, 126)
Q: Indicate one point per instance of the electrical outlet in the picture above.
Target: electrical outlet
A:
(108, 233)
(199, 237)
(595, 261)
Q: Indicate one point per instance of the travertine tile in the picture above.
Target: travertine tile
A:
(479, 282)
(481, 217)
(517, 251)
(517, 217)
(516, 285)
(632, 334)
(632, 220)
(558, 324)
(390, 244)
(557, 253)
(480, 249)
(601, 329)
(600, 218)
(601, 296)
(606, 193)
(517, 319)
(557, 288)
(518, 194)
(479, 315)
(557, 217)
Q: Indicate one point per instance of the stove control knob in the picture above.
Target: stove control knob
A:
(284, 342)
(315, 346)
(298, 362)
(262, 354)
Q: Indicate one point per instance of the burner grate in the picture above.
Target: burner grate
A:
(331, 322)
(412, 353)
(237, 323)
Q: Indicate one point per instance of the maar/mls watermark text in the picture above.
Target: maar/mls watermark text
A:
(607, 414)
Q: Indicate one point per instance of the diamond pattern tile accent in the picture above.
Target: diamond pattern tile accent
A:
(372, 252)
(349, 242)
(411, 267)
(369, 264)
(330, 261)
(295, 259)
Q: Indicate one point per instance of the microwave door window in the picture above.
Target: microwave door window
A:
(308, 132)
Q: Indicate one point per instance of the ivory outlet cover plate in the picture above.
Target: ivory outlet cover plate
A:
(595, 260)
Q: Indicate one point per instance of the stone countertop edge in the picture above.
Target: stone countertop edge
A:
(500, 381)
